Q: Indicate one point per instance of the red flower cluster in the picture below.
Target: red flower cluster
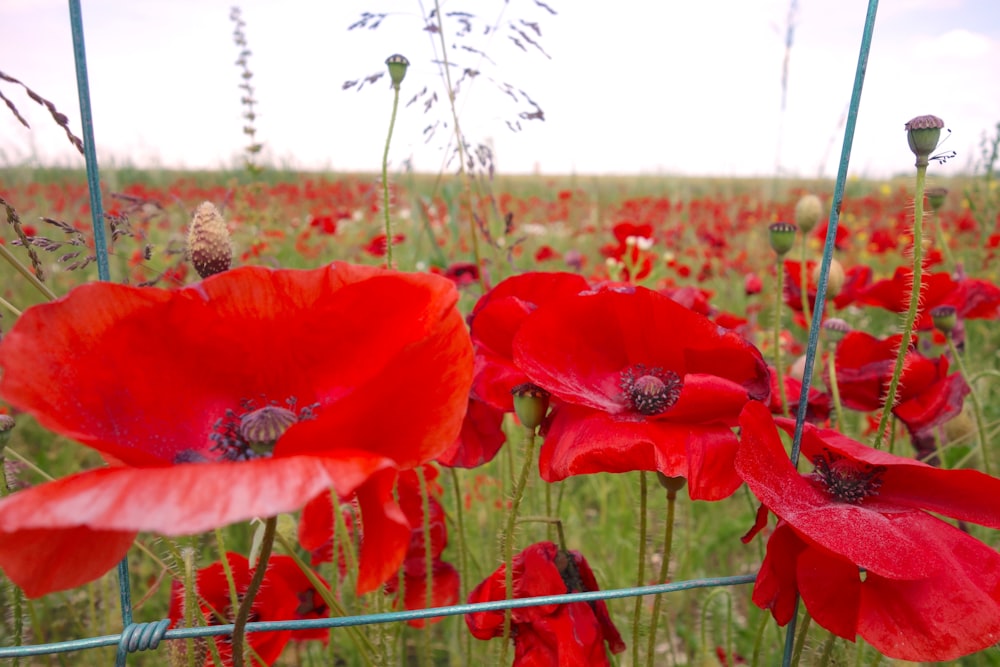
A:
(285, 594)
(857, 540)
(245, 395)
(554, 634)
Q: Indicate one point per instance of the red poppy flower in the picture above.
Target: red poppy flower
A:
(554, 634)
(316, 535)
(894, 294)
(925, 590)
(496, 318)
(639, 383)
(480, 439)
(927, 395)
(379, 244)
(244, 395)
(285, 595)
(793, 285)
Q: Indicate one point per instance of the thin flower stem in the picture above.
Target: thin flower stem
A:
(243, 615)
(9, 306)
(15, 592)
(191, 615)
(234, 596)
(385, 180)
(912, 310)
(828, 645)
(759, 638)
(460, 144)
(463, 558)
(977, 408)
(26, 272)
(640, 578)
(668, 539)
(508, 538)
(428, 564)
(804, 285)
(800, 642)
(548, 510)
(777, 336)
(838, 407)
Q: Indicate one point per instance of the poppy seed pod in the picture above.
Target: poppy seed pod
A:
(782, 237)
(6, 426)
(834, 279)
(397, 69)
(945, 318)
(807, 212)
(923, 134)
(936, 197)
(208, 245)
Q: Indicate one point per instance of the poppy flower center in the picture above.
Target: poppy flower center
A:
(650, 391)
(252, 433)
(847, 480)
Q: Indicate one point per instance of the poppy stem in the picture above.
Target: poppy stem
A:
(800, 641)
(508, 538)
(668, 539)
(463, 558)
(243, 615)
(912, 309)
(425, 499)
(838, 408)
(640, 578)
(977, 408)
(777, 334)
(385, 180)
(804, 284)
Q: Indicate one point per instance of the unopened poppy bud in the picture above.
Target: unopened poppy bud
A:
(936, 197)
(836, 329)
(945, 318)
(671, 484)
(397, 69)
(923, 134)
(959, 428)
(6, 428)
(807, 212)
(531, 402)
(834, 279)
(208, 245)
(798, 368)
(782, 237)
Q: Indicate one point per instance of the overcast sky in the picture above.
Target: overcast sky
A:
(632, 86)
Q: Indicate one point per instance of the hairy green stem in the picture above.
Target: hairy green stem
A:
(668, 539)
(463, 557)
(508, 537)
(385, 180)
(804, 284)
(912, 310)
(428, 564)
(777, 336)
(243, 614)
(977, 408)
(640, 579)
(838, 407)
(800, 641)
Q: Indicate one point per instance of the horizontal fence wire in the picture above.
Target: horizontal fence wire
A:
(147, 636)
(387, 617)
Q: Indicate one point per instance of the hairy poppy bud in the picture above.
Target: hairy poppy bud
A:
(807, 212)
(208, 245)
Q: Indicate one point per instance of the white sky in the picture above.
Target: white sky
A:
(633, 86)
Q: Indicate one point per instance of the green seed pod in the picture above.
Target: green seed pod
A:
(397, 69)
(945, 318)
(782, 237)
(531, 403)
(807, 212)
(923, 134)
(936, 197)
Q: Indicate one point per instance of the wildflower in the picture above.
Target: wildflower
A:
(554, 634)
(857, 540)
(245, 395)
(285, 595)
(639, 382)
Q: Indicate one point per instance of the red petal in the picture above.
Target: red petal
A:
(581, 442)
(179, 500)
(877, 541)
(188, 355)
(578, 348)
(481, 437)
(831, 590)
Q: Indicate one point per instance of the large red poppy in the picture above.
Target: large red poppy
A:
(928, 396)
(925, 590)
(367, 369)
(554, 634)
(285, 595)
(639, 383)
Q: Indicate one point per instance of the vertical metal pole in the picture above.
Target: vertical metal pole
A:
(100, 243)
(824, 271)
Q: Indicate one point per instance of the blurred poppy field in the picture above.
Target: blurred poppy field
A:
(589, 381)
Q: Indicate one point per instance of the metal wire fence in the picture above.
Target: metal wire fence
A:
(147, 636)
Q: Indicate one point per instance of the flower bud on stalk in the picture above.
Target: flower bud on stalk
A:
(923, 134)
(807, 212)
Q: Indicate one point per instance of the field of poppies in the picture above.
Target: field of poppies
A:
(286, 404)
